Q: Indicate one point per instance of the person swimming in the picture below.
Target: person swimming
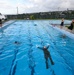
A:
(16, 42)
(63, 36)
(46, 55)
(35, 24)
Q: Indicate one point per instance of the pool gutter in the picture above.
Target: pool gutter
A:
(6, 25)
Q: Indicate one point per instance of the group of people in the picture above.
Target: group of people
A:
(70, 27)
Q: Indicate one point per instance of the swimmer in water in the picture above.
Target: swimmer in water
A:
(63, 36)
(46, 55)
(16, 42)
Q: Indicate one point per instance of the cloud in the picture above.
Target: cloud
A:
(9, 6)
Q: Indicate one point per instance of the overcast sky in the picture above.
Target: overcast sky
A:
(29, 6)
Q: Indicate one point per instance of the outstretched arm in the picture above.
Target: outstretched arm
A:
(39, 47)
(48, 46)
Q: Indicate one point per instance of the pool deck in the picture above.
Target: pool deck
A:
(66, 29)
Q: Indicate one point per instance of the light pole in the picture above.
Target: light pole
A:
(58, 8)
(17, 12)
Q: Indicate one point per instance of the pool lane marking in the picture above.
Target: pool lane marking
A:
(31, 58)
(41, 39)
(14, 62)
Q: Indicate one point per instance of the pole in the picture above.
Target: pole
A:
(17, 12)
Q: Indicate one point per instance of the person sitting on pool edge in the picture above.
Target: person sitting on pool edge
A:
(71, 26)
(46, 55)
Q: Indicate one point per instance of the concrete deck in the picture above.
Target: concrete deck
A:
(66, 29)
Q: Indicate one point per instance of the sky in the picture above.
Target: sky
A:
(32, 6)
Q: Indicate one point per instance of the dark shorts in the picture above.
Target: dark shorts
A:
(61, 24)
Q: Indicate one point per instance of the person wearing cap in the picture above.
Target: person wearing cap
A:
(71, 26)
(46, 55)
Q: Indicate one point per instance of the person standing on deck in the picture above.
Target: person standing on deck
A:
(62, 23)
(46, 55)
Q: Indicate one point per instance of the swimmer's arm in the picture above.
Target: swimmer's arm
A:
(39, 47)
(48, 46)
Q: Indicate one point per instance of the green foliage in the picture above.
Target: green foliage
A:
(32, 17)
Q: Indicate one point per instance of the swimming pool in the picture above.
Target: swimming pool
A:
(25, 58)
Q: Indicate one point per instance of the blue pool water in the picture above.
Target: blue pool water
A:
(25, 58)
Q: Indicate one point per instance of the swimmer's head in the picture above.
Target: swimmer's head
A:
(15, 42)
(63, 36)
(44, 47)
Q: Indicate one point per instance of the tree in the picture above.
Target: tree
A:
(32, 17)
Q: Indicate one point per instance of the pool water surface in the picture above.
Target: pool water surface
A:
(24, 58)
